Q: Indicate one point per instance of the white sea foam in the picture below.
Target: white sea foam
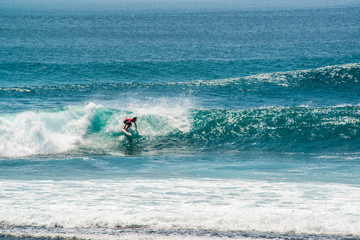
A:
(216, 205)
(44, 132)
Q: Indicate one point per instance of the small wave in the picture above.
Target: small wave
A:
(329, 75)
(347, 74)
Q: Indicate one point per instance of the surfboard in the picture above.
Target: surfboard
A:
(127, 132)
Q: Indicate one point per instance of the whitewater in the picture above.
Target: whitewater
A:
(248, 123)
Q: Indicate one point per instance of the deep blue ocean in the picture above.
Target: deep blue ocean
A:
(248, 124)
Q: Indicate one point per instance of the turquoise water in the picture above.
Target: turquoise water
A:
(248, 124)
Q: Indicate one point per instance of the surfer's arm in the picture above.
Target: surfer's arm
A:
(135, 126)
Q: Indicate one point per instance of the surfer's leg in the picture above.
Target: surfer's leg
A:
(127, 125)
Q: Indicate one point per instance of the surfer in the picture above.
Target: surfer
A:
(127, 123)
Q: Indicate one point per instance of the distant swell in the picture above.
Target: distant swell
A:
(336, 76)
(94, 129)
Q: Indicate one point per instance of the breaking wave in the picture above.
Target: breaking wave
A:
(95, 129)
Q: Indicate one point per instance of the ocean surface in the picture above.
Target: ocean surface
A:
(249, 124)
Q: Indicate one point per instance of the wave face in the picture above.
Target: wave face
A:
(94, 129)
(293, 128)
